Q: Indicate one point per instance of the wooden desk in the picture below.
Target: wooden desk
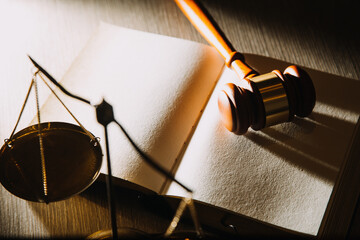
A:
(321, 35)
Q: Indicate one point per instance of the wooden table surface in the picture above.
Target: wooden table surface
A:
(322, 35)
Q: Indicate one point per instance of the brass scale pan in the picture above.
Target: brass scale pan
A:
(72, 162)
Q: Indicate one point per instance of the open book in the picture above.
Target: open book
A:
(164, 93)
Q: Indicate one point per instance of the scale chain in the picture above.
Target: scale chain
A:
(67, 109)
(43, 166)
(22, 110)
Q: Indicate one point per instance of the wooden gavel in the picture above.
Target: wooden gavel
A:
(257, 100)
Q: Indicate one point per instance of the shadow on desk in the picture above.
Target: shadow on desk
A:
(332, 122)
(334, 20)
(147, 212)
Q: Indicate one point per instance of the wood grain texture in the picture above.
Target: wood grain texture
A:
(319, 35)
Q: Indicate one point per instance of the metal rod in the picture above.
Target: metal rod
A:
(109, 188)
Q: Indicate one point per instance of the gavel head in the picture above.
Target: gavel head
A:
(272, 98)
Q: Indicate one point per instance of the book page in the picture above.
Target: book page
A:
(283, 174)
(158, 87)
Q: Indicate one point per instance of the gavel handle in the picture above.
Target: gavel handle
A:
(214, 36)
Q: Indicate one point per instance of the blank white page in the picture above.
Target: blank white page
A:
(158, 86)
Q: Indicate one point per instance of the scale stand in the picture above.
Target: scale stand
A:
(105, 115)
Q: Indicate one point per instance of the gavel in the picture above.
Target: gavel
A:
(256, 101)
